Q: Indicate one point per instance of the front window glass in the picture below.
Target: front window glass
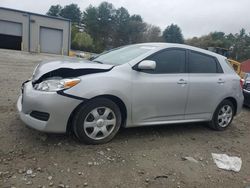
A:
(169, 61)
(123, 55)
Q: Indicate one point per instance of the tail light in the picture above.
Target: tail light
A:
(241, 83)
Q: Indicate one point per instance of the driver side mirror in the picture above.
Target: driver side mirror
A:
(147, 65)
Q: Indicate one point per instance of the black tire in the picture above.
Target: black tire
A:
(214, 123)
(83, 112)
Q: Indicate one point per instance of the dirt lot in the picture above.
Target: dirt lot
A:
(137, 157)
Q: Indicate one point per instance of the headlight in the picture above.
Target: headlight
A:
(56, 84)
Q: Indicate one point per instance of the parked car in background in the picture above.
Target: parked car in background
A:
(246, 90)
(136, 85)
(80, 54)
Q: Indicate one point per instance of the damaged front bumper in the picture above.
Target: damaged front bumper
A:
(45, 111)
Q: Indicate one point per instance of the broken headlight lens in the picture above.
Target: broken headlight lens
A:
(56, 84)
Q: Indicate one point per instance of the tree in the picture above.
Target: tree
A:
(90, 21)
(238, 44)
(210, 40)
(121, 27)
(74, 31)
(72, 12)
(106, 27)
(99, 23)
(241, 46)
(106, 12)
(112, 27)
(152, 34)
(82, 41)
(173, 34)
(54, 10)
(136, 29)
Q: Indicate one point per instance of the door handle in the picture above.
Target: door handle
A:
(220, 81)
(182, 81)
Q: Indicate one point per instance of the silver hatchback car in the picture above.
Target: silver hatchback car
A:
(136, 85)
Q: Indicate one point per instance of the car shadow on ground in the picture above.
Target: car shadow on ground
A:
(162, 130)
(247, 108)
(200, 129)
(124, 134)
(127, 134)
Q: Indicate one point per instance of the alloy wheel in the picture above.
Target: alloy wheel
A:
(99, 123)
(225, 115)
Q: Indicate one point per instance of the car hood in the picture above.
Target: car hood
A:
(67, 68)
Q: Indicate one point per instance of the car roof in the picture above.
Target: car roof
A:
(161, 45)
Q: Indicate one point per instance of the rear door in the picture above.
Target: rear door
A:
(160, 95)
(206, 85)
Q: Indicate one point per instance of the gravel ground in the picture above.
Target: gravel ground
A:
(137, 157)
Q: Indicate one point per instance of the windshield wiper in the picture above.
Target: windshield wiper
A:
(98, 62)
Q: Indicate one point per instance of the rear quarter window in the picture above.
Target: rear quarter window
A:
(202, 63)
(229, 64)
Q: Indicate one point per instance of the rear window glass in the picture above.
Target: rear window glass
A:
(229, 64)
(199, 63)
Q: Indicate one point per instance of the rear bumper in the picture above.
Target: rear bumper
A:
(239, 100)
(58, 107)
(246, 94)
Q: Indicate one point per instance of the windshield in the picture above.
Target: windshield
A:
(123, 55)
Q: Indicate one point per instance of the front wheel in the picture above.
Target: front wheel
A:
(223, 116)
(97, 121)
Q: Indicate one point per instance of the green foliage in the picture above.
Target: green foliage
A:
(136, 29)
(71, 12)
(241, 46)
(90, 20)
(98, 23)
(238, 44)
(112, 27)
(106, 27)
(74, 31)
(105, 21)
(121, 27)
(54, 10)
(82, 41)
(211, 40)
(173, 34)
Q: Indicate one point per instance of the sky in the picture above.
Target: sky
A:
(194, 17)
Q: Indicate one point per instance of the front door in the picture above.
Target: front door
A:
(160, 95)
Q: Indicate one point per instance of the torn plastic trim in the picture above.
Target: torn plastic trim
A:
(69, 73)
(61, 92)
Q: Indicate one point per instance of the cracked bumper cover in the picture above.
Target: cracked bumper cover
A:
(57, 106)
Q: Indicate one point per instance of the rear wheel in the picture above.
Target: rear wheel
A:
(97, 121)
(223, 116)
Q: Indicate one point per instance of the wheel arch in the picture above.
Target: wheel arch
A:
(233, 101)
(113, 98)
